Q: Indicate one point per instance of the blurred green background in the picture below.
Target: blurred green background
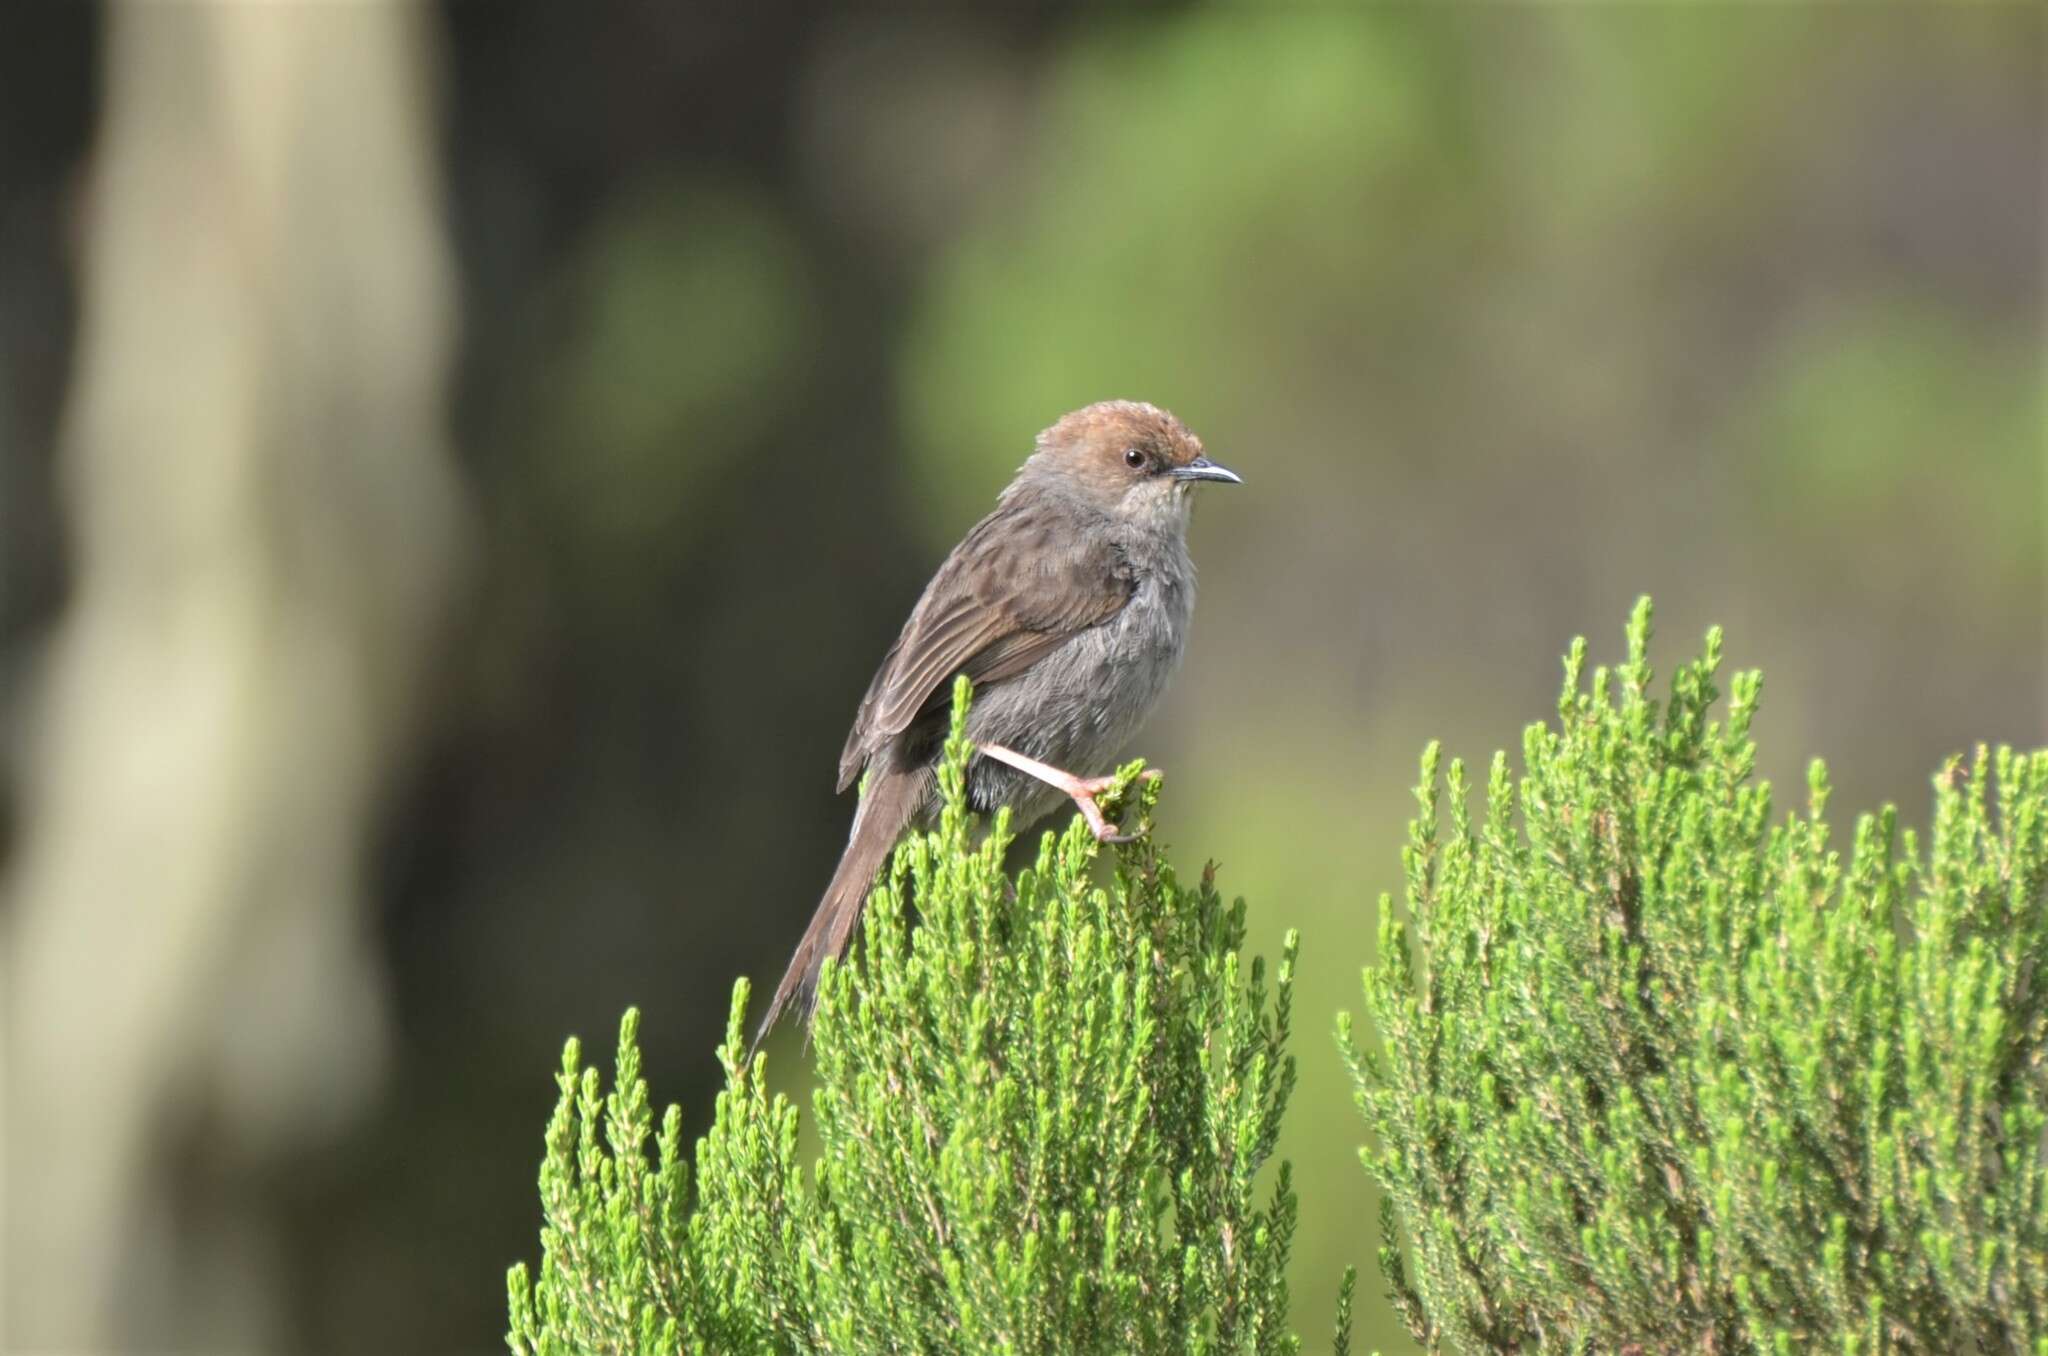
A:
(613, 377)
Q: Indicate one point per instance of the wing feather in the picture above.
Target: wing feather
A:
(1021, 584)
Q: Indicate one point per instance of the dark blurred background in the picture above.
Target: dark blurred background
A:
(459, 467)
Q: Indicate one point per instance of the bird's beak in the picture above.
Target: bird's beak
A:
(1201, 468)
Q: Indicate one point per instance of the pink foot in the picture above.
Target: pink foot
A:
(1083, 790)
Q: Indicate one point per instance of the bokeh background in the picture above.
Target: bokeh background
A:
(459, 466)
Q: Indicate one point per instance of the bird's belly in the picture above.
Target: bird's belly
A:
(1078, 707)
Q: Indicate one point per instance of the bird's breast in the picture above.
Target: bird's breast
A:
(1080, 705)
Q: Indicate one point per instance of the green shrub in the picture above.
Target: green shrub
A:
(1656, 1073)
(1041, 1116)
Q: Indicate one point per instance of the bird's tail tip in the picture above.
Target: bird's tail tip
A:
(885, 810)
(798, 990)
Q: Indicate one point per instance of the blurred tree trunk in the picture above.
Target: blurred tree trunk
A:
(264, 527)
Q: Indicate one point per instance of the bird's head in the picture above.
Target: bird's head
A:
(1132, 460)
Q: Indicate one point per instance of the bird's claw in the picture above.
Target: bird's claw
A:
(1095, 786)
(1084, 794)
(1083, 790)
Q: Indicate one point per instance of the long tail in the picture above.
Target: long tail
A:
(892, 800)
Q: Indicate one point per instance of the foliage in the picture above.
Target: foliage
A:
(1041, 1117)
(1659, 1074)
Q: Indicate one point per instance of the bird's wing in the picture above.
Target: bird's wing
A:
(1022, 582)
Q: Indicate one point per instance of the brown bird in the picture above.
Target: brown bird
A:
(1068, 609)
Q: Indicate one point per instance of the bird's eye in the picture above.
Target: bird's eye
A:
(1133, 458)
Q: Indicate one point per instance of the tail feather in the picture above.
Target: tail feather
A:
(892, 800)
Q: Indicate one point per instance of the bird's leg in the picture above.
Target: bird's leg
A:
(1084, 790)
